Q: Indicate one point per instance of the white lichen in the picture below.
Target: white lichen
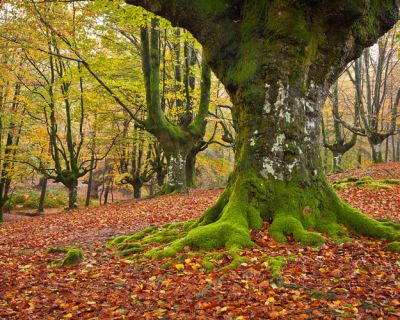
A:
(268, 169)
(282, 95)
(279, 142)
(267, 104)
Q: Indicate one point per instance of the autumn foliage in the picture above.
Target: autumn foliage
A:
(356, 279)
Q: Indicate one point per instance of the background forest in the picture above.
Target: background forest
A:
(97, 106)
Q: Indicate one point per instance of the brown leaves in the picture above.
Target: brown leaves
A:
(357, 279)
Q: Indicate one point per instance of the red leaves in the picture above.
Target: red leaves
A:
(357, 279)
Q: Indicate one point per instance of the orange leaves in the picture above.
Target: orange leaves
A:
(357, 279)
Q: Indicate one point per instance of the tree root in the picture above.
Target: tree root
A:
(229, 222)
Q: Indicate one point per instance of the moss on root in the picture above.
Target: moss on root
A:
(283, 226)
(365, 182)
(301, 213)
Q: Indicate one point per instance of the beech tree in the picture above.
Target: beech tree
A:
(377, 94)
(277, 60)
(177, 140)
(339, 146)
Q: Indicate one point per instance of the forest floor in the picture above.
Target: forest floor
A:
(358, 279)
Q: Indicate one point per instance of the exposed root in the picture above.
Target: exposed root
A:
(283, 226)
(304, 214)
(231, 231)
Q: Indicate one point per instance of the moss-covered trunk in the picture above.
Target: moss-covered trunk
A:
(278, 176)
(277, 60)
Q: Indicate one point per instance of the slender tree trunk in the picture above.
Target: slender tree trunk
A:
(393, 149)
(1, 211)
(137, 190)
(106, 192)
(359, 158)
(387, 150)
(43, 190)
(191, 170)
(73, 195)
(337, 162)
(376, 153)
(176, 172)
(90, 183)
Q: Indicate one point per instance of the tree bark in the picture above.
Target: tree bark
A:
(137, 190)
(176, 172)
(73, 195)
(191, 169)
(43, 189)
(376, 152)
(277, 60)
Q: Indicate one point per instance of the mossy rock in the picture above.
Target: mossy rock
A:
(73, 256)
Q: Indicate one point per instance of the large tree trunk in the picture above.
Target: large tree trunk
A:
(277, 60)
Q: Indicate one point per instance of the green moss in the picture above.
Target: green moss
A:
(167, 264)
(129, 245)
(366, 181)
(237, 259)
(350, 179)
(295, 211)
(283, 226)
(207, 265)
(362, 224)
(57, 250)
(338, 187)
(285, 20)
(72, 257)
(275, 264)
(380, 186)
(291, 257)
(143, 233)
(131, 251)
(394, 247)
(389, 181)
(117, 240)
